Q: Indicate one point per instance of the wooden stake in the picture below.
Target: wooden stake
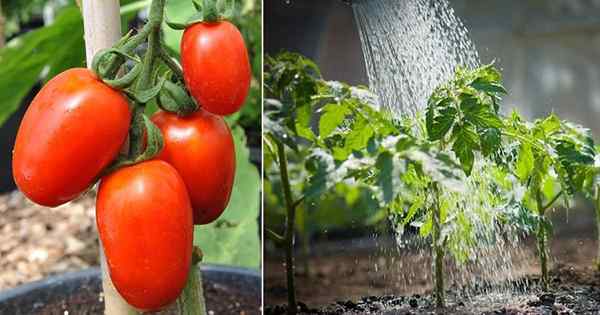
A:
(102, 28)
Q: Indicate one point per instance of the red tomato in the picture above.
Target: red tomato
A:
(72, 130)
(200, 147)
(215, 64)
(144, 220)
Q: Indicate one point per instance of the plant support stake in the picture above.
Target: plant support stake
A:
(102, 28)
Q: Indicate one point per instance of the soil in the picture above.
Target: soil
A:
(87, 299)
(572, 292)
(372, 276)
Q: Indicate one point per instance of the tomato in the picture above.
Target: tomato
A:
(72, 130)
(145, 224)
(215, 64)
(200, 147)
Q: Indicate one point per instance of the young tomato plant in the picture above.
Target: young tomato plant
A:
(453, 172)
(290, 81)
(553, 160)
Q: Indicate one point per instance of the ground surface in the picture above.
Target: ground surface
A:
(36, 242)
(573, 292)
(356, 277)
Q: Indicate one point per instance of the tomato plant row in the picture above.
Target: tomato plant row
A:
(458, 164)
(158, 176)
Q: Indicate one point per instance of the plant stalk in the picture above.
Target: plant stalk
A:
(289, 231)
(542, 245)
(438, 250)
(191, 301)
(597, 208)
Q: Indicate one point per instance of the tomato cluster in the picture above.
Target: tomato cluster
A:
(145, 211)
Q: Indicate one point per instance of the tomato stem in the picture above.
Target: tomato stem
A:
(597, 208)
(171, 63)
(289, 230)
(438, 248)
(542, 245)
(211, 13)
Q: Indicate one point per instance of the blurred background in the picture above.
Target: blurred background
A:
(39, 39)
(549, 52)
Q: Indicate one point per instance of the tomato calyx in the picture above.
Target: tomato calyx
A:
(175, 98)
(208, 11)
(138, 154)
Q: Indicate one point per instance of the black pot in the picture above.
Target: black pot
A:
(227, 290)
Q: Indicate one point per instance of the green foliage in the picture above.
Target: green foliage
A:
(552, 156)
(39, 55)
(463, 114)
(341, 137)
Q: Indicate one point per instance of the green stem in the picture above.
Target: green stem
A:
(272, 235)
(210, 10)
(552, 201)
(191, 301)
(154, 22)
(597, 208)
(169, 62)
(289, 231)
(523, 139)
(542, 245)
(117, 61)
(438, 249)
(306, 253)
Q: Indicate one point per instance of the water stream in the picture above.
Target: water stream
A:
(410, 47)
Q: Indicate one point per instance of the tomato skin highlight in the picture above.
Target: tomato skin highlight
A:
(200, 146)
(144, 220)
(216, 66)
(73, 128)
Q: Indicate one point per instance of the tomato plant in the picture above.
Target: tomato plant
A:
(216, 66)
(75, 132)
(200, 147)
(145, 224)
(72, 130)
(457, 165)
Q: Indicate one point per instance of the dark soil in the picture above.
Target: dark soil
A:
(573, 292)
(87, 300)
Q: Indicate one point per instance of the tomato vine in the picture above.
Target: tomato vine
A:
(106, 106)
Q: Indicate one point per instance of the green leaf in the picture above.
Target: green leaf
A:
(442, 123)
(483, 85)
(234, 238)
(318, 165)
(56, 48)
(550, 124)
(490, 141)
(525, 162)
(333, 116)
(465, 142)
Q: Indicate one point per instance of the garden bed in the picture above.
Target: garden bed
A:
(370, 276)
(574, 292)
